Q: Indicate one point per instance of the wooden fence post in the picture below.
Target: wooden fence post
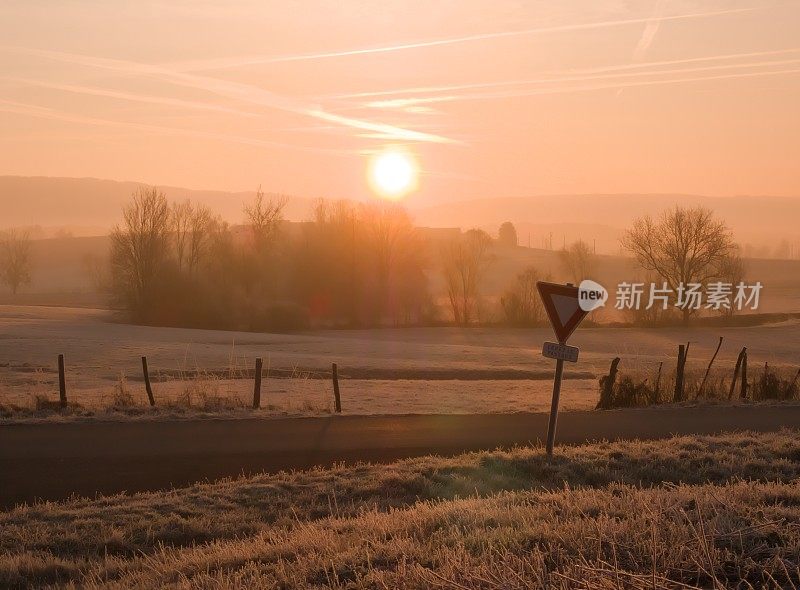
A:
(257, 386)
(708, 370)
(607, 394)
(62, 382)
(337, 400)
(743, 394)
(678, 395)
(147, 385)
(736, 371)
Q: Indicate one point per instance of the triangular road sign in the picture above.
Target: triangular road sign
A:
(562, 307)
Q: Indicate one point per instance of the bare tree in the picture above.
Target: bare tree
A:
(578, 261)
(507, 234)
(15, 259)
(139, 249)
(191, 229)
(264, 216)
(201, 226)
(391, 236)
(465, 262)
(685, 245)
(521, 304)
(362, 263)
(332, 263)
(181, 214)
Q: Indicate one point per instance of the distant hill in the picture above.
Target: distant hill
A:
(91, 206)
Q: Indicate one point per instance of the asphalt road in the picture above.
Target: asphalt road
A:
(54, 461)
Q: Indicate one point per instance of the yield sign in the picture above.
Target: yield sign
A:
(563, 308)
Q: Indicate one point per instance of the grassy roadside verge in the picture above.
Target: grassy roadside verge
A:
(721, 508)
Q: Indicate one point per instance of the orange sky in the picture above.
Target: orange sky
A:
(496, 97)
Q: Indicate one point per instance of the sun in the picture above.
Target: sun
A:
(393, 174)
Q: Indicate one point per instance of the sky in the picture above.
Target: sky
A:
(491, 98)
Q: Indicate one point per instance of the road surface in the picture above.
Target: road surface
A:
(53, 461)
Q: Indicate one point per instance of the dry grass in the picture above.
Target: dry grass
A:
(191, 397)
(691, 511)
(288, 396)
(765, 384)
(186, 392)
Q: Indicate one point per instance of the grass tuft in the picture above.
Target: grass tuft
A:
(638, 389)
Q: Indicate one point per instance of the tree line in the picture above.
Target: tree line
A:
(351, 264)
(357, 264)
(15, 259)
(683, 246)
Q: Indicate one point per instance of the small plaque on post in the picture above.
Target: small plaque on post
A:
(564, 352)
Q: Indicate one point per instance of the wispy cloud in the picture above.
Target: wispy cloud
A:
(568, 75)
(143, 98)
(649, 33)
(400, 103)
(235, 90)
(30, 110)
(232, 62)
(411, 101)
(560, 84)
(11, 106)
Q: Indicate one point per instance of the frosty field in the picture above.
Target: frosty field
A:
(387, 371)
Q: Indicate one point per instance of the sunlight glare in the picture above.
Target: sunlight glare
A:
(393, 174)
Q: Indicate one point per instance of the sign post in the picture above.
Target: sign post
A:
(551, 425)
(562, 304)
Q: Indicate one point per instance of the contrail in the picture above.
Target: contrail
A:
(223, 63)
(104, 92)
(577, 74)
(533, 92)
(23, 107)
(19, 108)
(235, 90)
